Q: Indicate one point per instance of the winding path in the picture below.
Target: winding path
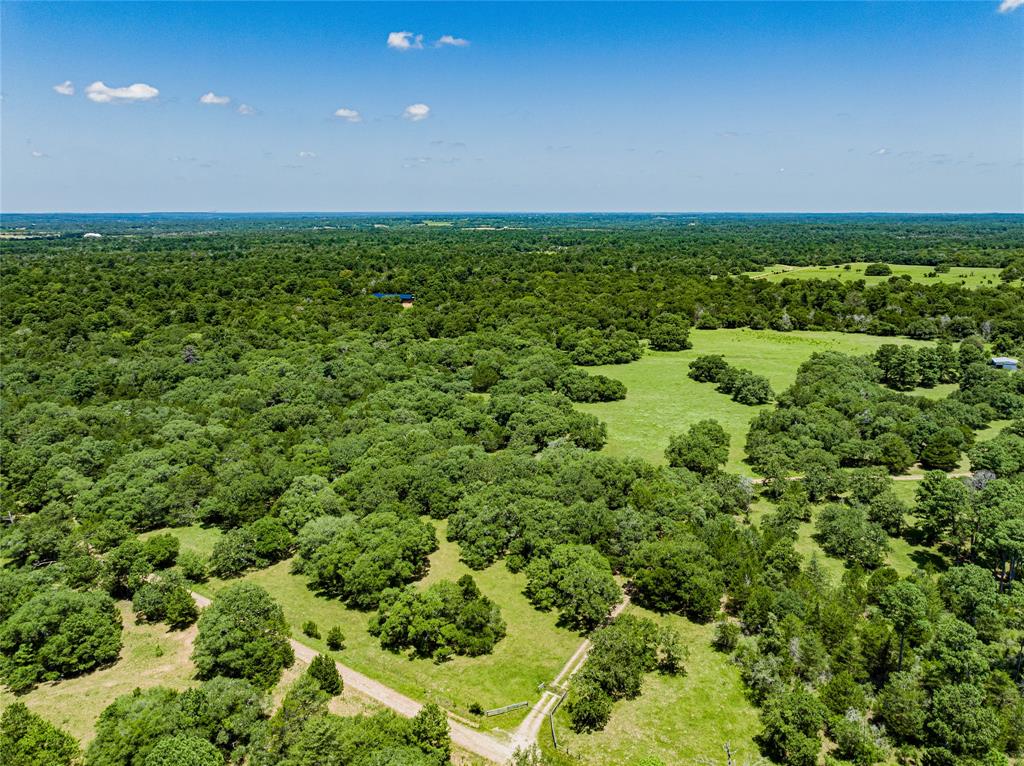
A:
(464, 736)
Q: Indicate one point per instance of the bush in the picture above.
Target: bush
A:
(877, 270)
(58, 633)
(708, 368)
(335, 639)
(447, 618)
(28, 740)
(325, 672)
(727, 635)
(192, 567)
(310, 628)
(161, 550)
(243, 634)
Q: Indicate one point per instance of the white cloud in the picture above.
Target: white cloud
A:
(1010, 5)
(40, 155)
(246, 111)
(404, 41)
(416, 112)
(104, 94)
(307, 155)
(461, 42)
(348, 115)
(213, 98)
(66, 88)
(880, 152)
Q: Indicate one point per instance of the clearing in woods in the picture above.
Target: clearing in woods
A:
(661, 400)
(966, 276)
(679, 719)
(532, 652)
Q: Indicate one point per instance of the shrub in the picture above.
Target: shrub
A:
(325, 672)
(161, 550)
(727, 635)
(335, 639)
(877, 270)
(192, 567)
(311, 629)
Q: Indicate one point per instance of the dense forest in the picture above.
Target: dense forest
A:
(245, 377)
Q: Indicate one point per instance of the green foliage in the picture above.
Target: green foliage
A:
(677, 575)
(310, 628)
(325, 672)
(704, 448)
(620, 654)
(846, 532)
(575, 579)
(447, 618)
(165, 599)
(669, 332)
(360, 560)
(58, 633)
(193, 567)
(28, 740)
(252, 546)
(161, 550)
(335, 639)
(243, 634)
(877, 270)
(184, 750)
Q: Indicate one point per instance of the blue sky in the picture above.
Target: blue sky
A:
(772, 106)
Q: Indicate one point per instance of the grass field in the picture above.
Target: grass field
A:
(661, 400)
(533, 651)
(969, 277)
(151, 656)
(679, 719)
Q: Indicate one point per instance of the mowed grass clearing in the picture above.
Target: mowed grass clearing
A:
(151, 656)
(533, 651)
(679, 719)
(661, 400)
(965, 276)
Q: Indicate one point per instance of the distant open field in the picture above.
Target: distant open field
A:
(966, 276)
(661, 400)
(533, 651)
(682, 719)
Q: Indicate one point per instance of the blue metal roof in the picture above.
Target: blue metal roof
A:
(400, 296)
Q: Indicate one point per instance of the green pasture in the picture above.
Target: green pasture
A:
(661, 400)
(678, 719)
(151, 656)
(966, 276)
(533, 651)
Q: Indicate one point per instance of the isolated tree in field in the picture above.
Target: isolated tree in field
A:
(243, 634)
(26, 739)
(59, 633)
(708, 368)
(906, 607)
(704, 448)
(669, 332)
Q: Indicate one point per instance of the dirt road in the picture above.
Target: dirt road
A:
(526, 733)
(465, 737)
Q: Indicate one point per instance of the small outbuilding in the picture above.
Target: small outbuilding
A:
(406, 299)
(1005, 363)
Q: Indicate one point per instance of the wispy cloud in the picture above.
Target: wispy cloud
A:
(307, 155)
(416, 112)
(880, 152)
(66, 88)
(404, 41)
(1010, 5)
(40, 155)
(247, 111)
(102, 93)
(214, 99)
(455, 42)
(348, 115)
